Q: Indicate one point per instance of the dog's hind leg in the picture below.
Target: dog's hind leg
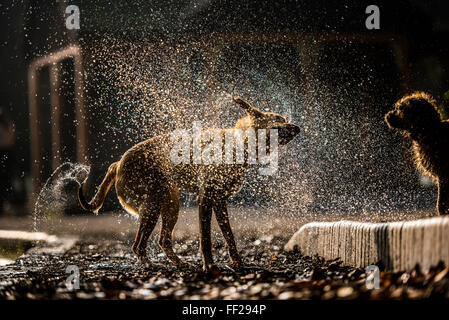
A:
(443, 197)
(205, 215)
(221, 213)
(169, 214)
(148, 216)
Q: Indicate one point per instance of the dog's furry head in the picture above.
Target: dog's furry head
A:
(414, 114)
(258, 119)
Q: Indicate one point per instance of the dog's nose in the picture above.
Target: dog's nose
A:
(392, 119)
(292, 129)
(288, 132)
(295, 129)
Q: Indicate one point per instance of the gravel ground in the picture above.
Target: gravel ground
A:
(108, 270)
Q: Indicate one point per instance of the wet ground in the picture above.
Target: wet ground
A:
(108, 270)
(99, 246)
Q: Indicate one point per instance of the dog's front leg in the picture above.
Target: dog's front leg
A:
(443, 197)
(205, 215)
(221, 213)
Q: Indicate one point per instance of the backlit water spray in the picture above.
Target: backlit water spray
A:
(58, 192)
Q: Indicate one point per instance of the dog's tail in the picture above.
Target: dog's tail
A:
(95, 204)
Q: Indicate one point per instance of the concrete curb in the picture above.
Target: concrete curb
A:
(398, 245)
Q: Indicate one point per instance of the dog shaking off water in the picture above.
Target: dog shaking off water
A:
(417, 117)
(148, 184)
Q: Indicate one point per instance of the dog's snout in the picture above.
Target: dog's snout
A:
(393, 119)
(287, 132)
(295, 129)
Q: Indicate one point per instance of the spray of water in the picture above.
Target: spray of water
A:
(58, 192)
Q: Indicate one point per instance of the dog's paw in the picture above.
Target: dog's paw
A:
(144, 262)
(211, 269)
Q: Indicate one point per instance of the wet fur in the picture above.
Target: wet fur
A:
(148, 183)
(416, 117)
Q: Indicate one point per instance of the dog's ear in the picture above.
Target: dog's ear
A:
(250, 110)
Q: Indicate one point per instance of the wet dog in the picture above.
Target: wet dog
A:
(148, 184)
(416, 117)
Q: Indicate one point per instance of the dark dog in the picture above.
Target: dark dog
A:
(416, 117)
(148, 183)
